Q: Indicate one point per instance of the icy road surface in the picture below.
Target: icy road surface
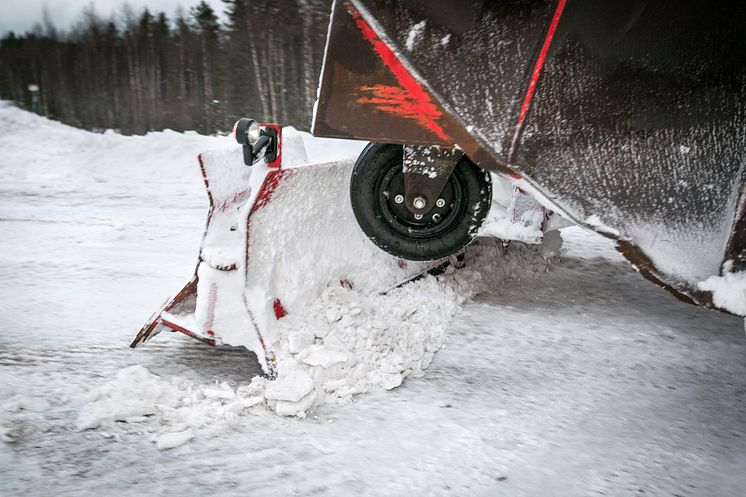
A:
(585, 380)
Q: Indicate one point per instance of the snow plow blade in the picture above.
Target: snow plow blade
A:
(626, 125)
(276, 236)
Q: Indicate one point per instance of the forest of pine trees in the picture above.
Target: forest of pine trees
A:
(146, 71)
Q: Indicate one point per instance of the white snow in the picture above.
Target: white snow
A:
(171, 408)
(415, 33)
(173, 440)
(133, 393)
(597, 224)
(513, 215)
(345, 342)
(291, 387)
(571, 379)
(728, 291)
(354, 343)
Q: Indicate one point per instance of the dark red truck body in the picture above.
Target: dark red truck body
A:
(628, 118)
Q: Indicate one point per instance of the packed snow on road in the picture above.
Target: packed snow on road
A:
(515, 375)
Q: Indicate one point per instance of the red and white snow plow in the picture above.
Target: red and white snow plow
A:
(625, 118)
(280, 230)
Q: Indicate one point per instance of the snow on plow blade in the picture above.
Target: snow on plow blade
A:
(276, 236)
(623, 123)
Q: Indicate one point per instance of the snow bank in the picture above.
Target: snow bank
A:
(728, 291)
(134, 393)
(345, 343)
(170, 409)
(348, 342)
(108, 158)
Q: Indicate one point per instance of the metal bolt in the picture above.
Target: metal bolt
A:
(436, 217)
(418, 216)
(419, 203)
(399, 199)
(440, 202)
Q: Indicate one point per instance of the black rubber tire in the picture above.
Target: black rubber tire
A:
(469, 205)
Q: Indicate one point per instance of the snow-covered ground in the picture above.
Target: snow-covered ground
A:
(579, 380)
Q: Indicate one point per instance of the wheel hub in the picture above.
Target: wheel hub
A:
(391, 206)
(454, 207)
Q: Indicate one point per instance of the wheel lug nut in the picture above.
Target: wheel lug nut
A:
(418, 216)
(399, 199)
(419, 203)
(440, 202)
(436, 217)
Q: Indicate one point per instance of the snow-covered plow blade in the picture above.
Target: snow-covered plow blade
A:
(276, 235)
(628, 118)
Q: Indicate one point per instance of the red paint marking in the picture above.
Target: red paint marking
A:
(267, 190)
(391, 99)
(181, 329)
(237, 198)
(280, 311)
(412, 101)
(540, 61)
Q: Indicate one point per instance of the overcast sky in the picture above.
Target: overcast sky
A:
(21, 15)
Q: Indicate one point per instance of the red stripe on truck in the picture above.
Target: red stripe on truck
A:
(536, 73)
